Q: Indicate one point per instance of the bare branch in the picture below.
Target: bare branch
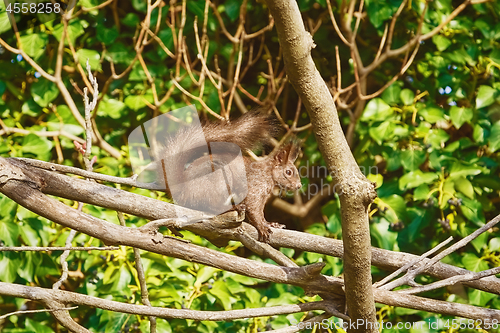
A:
(451, 281)
(57, 248)
(67, 297)
(34, 311)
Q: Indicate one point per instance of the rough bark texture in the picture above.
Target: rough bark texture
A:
(29, 187)
(356, 192)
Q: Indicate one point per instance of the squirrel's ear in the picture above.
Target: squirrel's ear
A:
(294, 151)
(289, 152)
(281, 156)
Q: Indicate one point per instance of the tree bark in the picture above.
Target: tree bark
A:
(356, 192)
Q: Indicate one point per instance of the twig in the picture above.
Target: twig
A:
(233, 39)
(200, 100)
(8, 130)
(409, 276)
(131, 181)
(451, 281)
(393, 25)
(264, 249)
(88, 165)
(142, 278)
(335, 25)
(21, 312)
(37, 293)
(236, 76)
(380, 284)
(58, 248)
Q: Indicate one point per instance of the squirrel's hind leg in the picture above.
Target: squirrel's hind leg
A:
(260, 223)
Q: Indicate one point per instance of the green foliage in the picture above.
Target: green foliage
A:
(431, 142)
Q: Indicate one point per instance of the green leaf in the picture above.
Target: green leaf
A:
(479, 134)
(416, 178)
(167, 38)
(253, 297)
(119, 54)
(4, 20)
(64, 120)
(432, 114)
(448, 192)
(494, 244)
(407, 96)
(472, 210)
(137, 73)
(8, 209)
(111, 107)
(35, 326)
(107, 36)
(485, 96)
(9, 231)
(116, 322)
(392, 93)
(495, 56)
(376, 110)
(459, 116)
(473, 263)
(162, 325)
(480, 298)
(484, 27)
(437, 138)
(396, 205)
(382, 132)
(109, 275)
(27, 268)
(131, 20)
(232, 9)
(75, 30)
(44, 92)
(37, 145)
(29, 236)
(34, 44)
(419, 221)
(412, 159)
(494, 138)
(378, 12)
(480, 242)
(219, 290)
(93, 56)
(140, 5)
(8, 267)
(385, 238)
(135, 102)
(459, 169)
(204, 274)
(464, 186)
(441, 42)
(393, 160)
(421, 192)
(284, 298)
(124, 278)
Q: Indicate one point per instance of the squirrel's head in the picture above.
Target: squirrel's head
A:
(285, 174)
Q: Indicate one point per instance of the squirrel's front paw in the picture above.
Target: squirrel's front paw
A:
(276, 225)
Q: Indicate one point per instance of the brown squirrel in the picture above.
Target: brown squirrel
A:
(193, 169)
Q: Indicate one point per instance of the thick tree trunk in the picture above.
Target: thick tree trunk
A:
(356, 192)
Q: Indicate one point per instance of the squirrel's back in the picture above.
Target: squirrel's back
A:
(248, 131)
(187, 160)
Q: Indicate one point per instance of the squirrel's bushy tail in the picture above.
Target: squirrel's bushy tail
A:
(186, 165)
(248, 131)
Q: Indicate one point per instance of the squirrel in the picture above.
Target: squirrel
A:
(247, 184)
